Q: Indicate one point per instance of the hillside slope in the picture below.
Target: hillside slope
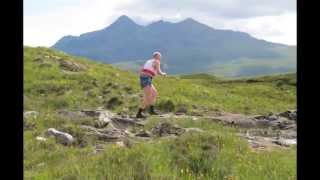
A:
(70, 94)
(188, 47)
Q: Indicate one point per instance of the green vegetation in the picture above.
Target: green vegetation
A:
(82, 84)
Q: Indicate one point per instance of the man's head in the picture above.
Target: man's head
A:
(157, 55)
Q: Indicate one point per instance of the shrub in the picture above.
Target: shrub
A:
(166, 105)
(113, 103)
(195, 152)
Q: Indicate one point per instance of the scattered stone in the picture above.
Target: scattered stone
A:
(61, 137)
(45, 65)
(165, 129)
(28, 124)
(41, 165)
(285, 142)
(236, 120)
(41, 138)
(71, 66)
(113, 102)
(73, 115)
(91, 113)
(98, 148)
(290, 114)
(30, 114)
(194, 130)
(100, 124)
(181, 110)
(38, 60)
(120, 144)
(123, 123)
(110, 134)
(143, 133)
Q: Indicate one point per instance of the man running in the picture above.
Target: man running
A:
(149, 70)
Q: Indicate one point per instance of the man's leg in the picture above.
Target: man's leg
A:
(145, 102)
(153, 100)
(154, 94)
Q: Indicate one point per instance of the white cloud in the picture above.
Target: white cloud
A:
(87, 16)
(278, 28)
(270, 20)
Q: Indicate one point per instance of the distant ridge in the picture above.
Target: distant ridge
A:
(188, 46)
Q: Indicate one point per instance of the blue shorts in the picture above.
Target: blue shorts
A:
(145, 81)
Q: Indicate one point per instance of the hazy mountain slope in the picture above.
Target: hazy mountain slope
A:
(188, 46)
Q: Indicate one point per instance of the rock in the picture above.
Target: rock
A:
(111, 134)
(290, 114)
(104, 119)
(91, 113)
(143, 133)
(120, 144)
(194, 118)
(285, 142)
(41, 138)
(123, 123)
(71, 66)
(45, 65)
(61, 137)
(165, 129)
(30, 114)
(100, 124)
(194, 130)
(38, 60)
(113, 102)
(181, 110)
(236, 119)
(263, 123)
(41, 165)
(28, 124)
(71, 114)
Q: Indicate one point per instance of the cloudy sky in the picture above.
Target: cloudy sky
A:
(45, 22)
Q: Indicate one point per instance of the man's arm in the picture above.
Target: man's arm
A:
(157, 65)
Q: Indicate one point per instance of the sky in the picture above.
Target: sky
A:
(45, 22)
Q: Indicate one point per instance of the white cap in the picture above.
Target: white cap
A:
(156, 53)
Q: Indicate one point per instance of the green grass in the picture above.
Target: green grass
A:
(216, 154)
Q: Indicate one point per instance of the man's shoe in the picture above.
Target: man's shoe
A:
(140, 114)
(152, 111)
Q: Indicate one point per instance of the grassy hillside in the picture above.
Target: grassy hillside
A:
(54, 81)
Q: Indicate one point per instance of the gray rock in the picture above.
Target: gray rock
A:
(41, 138)
(143, 133)
(290, 114)
(123, 123)
(30, 114)
(110, 134)
(166, 129)
(61, 137)
(71, 66)
(285, 142)
(194, 130)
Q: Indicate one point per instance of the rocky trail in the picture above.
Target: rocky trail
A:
(261, 132)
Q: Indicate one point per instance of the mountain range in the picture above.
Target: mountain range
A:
(187, 46)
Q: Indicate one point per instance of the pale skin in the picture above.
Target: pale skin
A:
(150, 92)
